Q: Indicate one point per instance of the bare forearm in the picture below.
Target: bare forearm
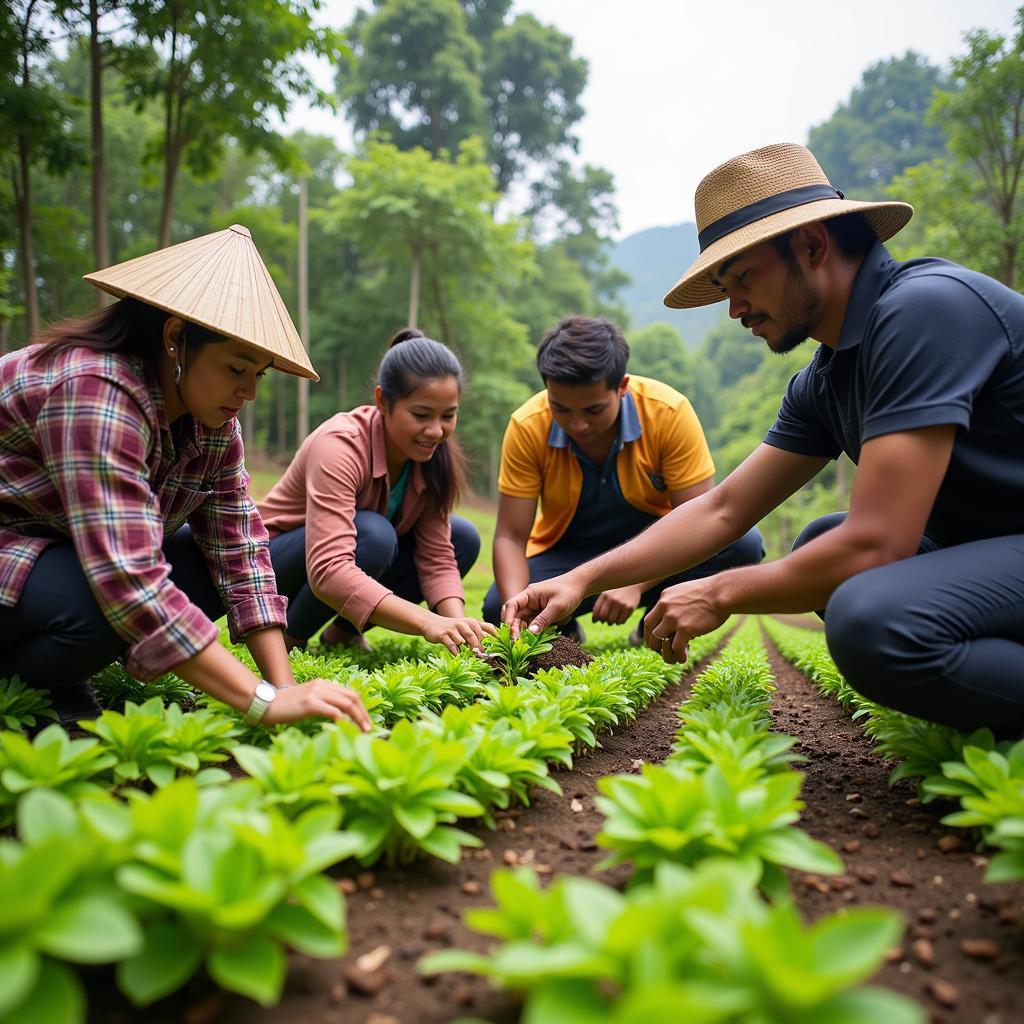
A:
(511, 572)
(451, 606)
(269, 652)
(801, 581)
(216, 672)
(685, 537)
(402, 616)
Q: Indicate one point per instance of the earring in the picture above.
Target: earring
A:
(177, 371)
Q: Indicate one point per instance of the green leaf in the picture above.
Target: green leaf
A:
(56, 999)
(19, 969)
(796, 849)
(170, 957)
(870, 1004)
(92, 930)
(254, 968)
(301, 930)
(446, 960)
(446, 843)
(44, 814)
(848, 948)
(417, 819)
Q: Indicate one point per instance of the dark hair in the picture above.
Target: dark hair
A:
(411, 359)
(129, 325)
(583, 350)
(852, 234)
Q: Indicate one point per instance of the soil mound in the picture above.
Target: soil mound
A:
(563, 652)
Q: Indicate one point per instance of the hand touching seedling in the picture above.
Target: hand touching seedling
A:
(513, 656)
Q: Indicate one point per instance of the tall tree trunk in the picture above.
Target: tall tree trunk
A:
(303, 387)
(100, 239)
(442, 314)
(23, 203)
(174, 104)
(5, 337)
(282, 420)
(414, 288)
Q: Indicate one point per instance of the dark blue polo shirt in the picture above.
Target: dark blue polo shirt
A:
(924, 343)
(603, 516)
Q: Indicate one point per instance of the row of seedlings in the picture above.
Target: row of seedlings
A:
(987, 777)
(706, 930)
(115, 861)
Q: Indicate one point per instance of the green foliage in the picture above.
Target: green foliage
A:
(882, 129)
(698, 945)
(226, 885)
(990, 787)
(58, 908)
(114, 687)
(512, 657)
(151, 743)
(400, 794)
(21, 706)
(49, 761)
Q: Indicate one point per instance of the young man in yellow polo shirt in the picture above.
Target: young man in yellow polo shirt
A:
(606, 455)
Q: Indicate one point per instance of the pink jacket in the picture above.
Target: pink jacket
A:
(339, 469)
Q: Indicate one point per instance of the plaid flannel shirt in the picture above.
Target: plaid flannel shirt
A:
(86, 454)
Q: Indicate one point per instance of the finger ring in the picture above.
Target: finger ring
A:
(663, 639)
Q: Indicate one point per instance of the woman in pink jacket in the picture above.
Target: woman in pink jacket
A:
(361, 525)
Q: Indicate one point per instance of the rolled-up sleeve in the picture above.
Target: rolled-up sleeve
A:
(333, 480)
(95, 439)
(235, 543)
(436, 568)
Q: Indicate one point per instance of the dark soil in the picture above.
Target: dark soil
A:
(890, 843)
(963, 951)
(563, 652)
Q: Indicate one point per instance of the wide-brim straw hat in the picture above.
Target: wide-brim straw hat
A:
(220, 282)
(761, 195)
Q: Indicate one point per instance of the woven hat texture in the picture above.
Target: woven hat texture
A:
(764, 176)
(218, 281)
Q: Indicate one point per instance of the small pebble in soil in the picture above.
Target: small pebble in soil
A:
(510, 857)
(867, 875)
(437, 931)
(894, 955)
(364, 983)
(927, 914)
(347, 886)
(870, 829)
(544, 869)
(366, 880)
(944, 992)
(980, 949)
(851, 846)
(575, 806)
(374, 960)
(901, 880)
(854, 798)
(472, 888)
(338, 993)
(924, 952)
(949, 843)
(376, 894)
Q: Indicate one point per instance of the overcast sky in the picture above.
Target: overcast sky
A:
(676, 87)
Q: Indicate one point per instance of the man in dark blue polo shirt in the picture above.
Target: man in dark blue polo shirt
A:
(919, 378)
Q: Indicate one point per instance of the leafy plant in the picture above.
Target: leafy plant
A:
(21, 706)
(400, 793)
(227, 885)
(512, 657)
(399, 689)
(696, 945)
(49, 761)
(58, 906)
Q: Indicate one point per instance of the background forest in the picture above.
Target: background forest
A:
(130, 125)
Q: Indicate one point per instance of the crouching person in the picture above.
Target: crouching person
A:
(126, 526)
(361, 521)
(606, 455)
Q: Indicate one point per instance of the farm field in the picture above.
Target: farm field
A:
(752, 787)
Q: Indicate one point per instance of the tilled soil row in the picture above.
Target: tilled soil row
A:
(963, 951)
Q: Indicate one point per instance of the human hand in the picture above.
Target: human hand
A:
(455, 630)
(683, 612)
(615, 606)
(542, 604)
(318, 697)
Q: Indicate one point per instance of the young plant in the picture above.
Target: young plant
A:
(59, 906)
(49, 761)
(226, 885)
(399, 689)
(21, 707)
(400, 795)
(696, 945)
(511, 658)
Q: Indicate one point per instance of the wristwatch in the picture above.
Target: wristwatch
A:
(262, 697)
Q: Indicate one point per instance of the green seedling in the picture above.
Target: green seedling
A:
(22, 707)
(511, 657)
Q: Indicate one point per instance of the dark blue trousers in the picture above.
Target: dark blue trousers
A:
(939, 635)
(56, 636)
(380, 553)
(748, 550)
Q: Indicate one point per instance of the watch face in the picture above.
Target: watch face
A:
(265, 691)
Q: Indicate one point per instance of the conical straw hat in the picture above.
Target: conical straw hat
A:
(220, 282)
(761, 195)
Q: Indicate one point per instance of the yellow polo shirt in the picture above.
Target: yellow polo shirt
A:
(670, 453)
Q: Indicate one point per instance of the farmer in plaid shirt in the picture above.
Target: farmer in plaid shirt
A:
(126, 526)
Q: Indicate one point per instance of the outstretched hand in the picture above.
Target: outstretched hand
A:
(541, 604)
(683, 612)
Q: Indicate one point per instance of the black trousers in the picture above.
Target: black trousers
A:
(939, 635)
(748, 550)
(56, 636)
(380, 553)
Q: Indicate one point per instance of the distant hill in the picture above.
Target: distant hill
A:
(655, 259)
